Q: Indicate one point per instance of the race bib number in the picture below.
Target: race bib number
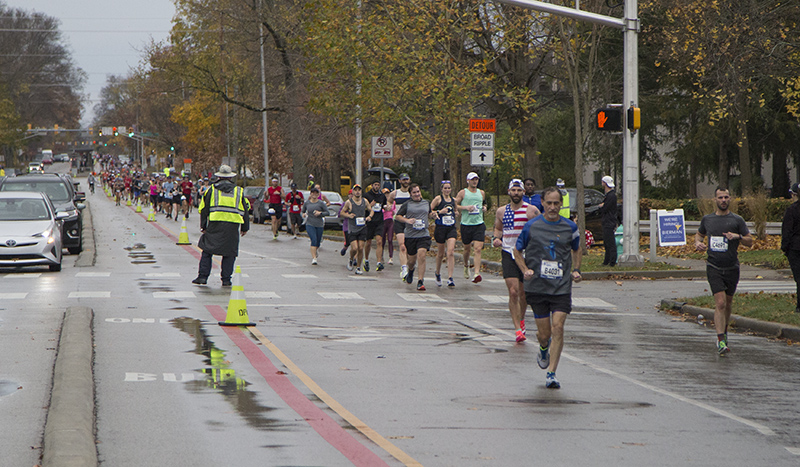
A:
(551, 270)
(419, 224)
(360, 221)
(718, 244)
(474, 210)
(376, 207)
(448, 220)
(295, 208)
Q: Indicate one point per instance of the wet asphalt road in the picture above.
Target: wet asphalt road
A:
(366, 371)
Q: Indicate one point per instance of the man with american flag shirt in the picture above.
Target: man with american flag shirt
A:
(508, 223)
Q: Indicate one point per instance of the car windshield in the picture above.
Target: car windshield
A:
(252, 190)
(55, 189)
(23, 209)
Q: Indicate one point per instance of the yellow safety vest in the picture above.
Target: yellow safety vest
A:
(564, 212)
(226, 207)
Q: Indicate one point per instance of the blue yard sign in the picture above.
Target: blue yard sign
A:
(671, 228)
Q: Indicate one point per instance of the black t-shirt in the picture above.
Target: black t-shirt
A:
(377, 208)
(722, 252)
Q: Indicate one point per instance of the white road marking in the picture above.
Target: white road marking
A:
(89, 295)
(27, 275)
(340, 295)
(589, 302)
(173, 295)
(261, 295)
(767, 286)
(495, 298)
(13, 296)
(795, 451)
(93, 274)
(163, 274)
(299, 276)
(421, 297)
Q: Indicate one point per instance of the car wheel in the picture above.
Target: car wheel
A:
(74, 250)
(55, 267)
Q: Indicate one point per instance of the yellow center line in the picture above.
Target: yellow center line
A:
(373, 435)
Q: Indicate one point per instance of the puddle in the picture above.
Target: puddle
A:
(138, 255)
(222, 379)
(553, 402)
(8, 387)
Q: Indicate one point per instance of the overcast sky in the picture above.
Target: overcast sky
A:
(106, 37)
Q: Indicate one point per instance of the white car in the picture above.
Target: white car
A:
(30, 230)
(35, 168)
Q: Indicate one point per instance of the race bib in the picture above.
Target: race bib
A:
(376, 207)
(360, 221)
(295, 208)
(474, 210)
(551, 270)
(718, 244)
(448, 220)
(419, 224)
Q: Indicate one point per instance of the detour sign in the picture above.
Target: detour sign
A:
(477, 124)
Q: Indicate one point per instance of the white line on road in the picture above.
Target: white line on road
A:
(795, 451)
(495, 298)
(261, 295)
(163, 274)
(413, 297)
(173, 295)
(299, 276)
(340, 295)
(27, 275)
(93, 274)
(590, 302)
(13, 296)
(89, 295)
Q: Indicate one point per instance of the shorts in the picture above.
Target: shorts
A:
(510, 268)
(154, 199)
(413, 245)
(443, 232)
(722, 280)
(373, 229)
(295, 218)
(544, 305)
(473, 233)
(360, 235)
(176, 199)
(278, 207)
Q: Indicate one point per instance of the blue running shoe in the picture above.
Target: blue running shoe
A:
(551, 382)
(410, 276)
(438, 280)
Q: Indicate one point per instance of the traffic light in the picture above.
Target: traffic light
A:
(609, 119)
(172, 148)
(114, 129)
(99, 132)
(130, 134)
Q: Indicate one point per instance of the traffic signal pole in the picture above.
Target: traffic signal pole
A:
(630, 93)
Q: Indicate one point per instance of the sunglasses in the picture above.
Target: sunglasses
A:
(445, 181)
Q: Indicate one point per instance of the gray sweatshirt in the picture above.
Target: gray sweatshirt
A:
(319, 205)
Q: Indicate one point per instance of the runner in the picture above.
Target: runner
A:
(399, 197)
(119, 188)
(547, 249)
(294, 201)
(471, 202)
(314, 210)
(508, 223)
(274, 197)
(357, 212)
(388, 226)
(177, 198)
(186, 199)
(91, 181)
(414, 215)
(166, 196)
(377, 200)
(344, 226)
(726, 231)
(445, 233)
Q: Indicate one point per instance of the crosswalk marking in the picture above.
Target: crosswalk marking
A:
(98, 294)
(162, 274)
(93, 274)
(13, 296)
(299, 276)
(173, 295)
(340, 295)
(27, 275)
(589, 302)
(495, 298)
(421, 297)
(261, 295)
(767, 286)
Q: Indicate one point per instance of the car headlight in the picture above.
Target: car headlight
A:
(48, 234)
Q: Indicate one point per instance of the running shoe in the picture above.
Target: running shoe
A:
(350, 264)
(403, 273)
(450, 282)
(520, 336)
(438, 280)
(343, 251)
(477, 279)
(295, 237)
(543, 356)
(722, 347)
(359, 271)
(380, 267)
(366, 265)
(466, 272)
(410, 276)
(522, 326)
(551, 382)
(275, 237)
(390, 261)
(420, 286)
(314, 261)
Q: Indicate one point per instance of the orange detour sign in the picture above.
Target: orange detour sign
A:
(483, 125)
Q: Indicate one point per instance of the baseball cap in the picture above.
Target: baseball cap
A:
(560, 183)
(472, 175)
(515, 182)
(356, 186)
(404, 176)
(608, 181)
(293, 185)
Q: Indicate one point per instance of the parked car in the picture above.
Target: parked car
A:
(64, 197)
(30, 230)
(253, 193)
(47, 160)
(35, 168)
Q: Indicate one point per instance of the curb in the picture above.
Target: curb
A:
(87, 256)
(70, 428)
(779, 330)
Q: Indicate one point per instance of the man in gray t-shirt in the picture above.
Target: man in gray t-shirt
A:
(725, 231)
(414, 214)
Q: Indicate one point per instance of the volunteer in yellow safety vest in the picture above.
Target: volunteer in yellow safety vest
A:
(564, 212)
(223, 218)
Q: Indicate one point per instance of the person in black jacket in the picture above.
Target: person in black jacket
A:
(608, 211)
(790, 238)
